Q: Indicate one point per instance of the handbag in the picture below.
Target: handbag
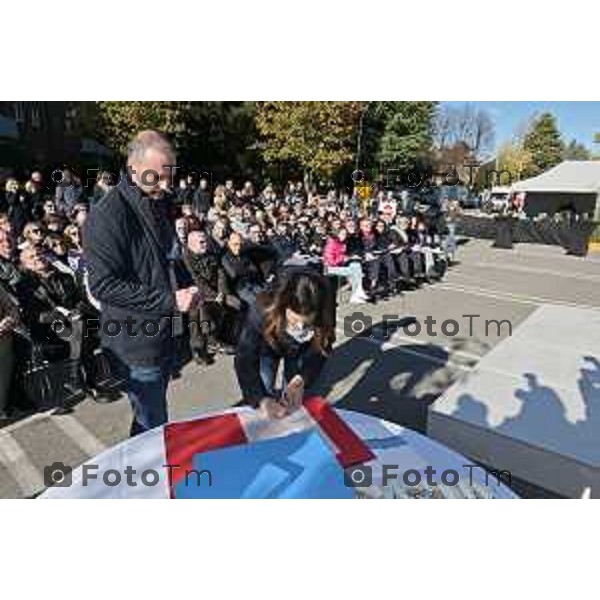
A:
(49, 384)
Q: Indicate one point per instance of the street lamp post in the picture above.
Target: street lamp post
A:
(360, 128)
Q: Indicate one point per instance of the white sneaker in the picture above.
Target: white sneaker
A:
(357, 300)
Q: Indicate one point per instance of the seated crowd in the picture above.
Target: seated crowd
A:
(232, 243)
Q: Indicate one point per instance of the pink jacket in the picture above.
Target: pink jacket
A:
(334, 254)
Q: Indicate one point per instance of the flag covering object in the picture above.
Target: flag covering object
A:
(317, 452)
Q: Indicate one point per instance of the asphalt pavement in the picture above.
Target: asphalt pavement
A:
(394, 371)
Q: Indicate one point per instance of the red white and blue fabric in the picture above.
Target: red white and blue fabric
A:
(305, 455)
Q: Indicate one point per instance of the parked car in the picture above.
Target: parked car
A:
(459, 193)
(496, 200)
(469, 200)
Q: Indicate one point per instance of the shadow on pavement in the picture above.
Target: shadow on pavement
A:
(389, 381)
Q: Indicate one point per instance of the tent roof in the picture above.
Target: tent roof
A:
(575, 176)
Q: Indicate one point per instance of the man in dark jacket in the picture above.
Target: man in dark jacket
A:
(49, 297)
(206, 320)
(240, 276)
(202, 199)
(9, 273)
(284, 243)
(129, 245)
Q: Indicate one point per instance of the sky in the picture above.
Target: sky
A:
(579, 120)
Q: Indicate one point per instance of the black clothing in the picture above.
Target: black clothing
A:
(300, 359)
(238, 272)
(18, 211)
(202, 201)
(10, 275)
(129, 276)
(39, 297)
(285, 246)
(206, 321)
(383, 240)
(204, 269)
(353, 245)
(216, 246)
(367, 244)
(264, 255)
(185, 196)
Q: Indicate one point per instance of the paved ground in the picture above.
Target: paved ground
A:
(395, 378)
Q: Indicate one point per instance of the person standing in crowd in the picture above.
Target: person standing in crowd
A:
(184, 193)
(35, 189)
(128, 241)
(294, 325)
(202, 199)
(16, 206)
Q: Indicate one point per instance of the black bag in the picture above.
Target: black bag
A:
(47, 385)
(44, 384)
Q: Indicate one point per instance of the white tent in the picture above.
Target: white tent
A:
(572, 181)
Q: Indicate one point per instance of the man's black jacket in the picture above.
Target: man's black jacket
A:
(204, 269)
(201, 201)
(238, 271)
(129, 276)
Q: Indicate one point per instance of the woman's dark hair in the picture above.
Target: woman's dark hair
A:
(306, 293)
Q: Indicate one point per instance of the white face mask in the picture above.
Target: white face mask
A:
(300, 334)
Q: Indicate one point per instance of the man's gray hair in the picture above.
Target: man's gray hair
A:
(146, 140)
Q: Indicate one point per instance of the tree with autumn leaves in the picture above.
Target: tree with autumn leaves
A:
(321, 137)
(316, 138)
(120, 121)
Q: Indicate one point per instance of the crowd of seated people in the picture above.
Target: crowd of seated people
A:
(233, 242)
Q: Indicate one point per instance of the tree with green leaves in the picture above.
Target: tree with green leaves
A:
(215, 136)
(398, 134)
(318, 137)
(221, 137)
(577, 151)
(544, 143)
